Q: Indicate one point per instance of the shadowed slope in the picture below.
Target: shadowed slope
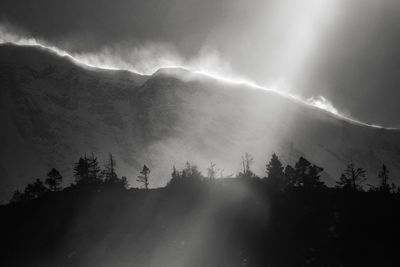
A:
(53, 111)
(226, 223)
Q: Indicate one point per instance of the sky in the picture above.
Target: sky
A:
(344, 50)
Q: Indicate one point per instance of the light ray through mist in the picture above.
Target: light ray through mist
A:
(201, 65)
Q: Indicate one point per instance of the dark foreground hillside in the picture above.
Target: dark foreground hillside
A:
(226, 222)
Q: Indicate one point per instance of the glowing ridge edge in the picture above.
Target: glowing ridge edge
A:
(319, 102)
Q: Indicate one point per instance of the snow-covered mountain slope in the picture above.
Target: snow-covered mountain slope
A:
(53, 110)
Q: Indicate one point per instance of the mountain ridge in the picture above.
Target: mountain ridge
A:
(55, 112)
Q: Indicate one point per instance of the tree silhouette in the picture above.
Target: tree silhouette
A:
(17, 197)
(314, 177)
(275, 174)
(54, 180)
(144, 177)
(383, 177)
(191, 172)
(247, 161)
(307, 175)
(94, 169)
(290, 175)
(352, 178)
(81, 170)
(175, 174)
(86, 171)
(34, 190)
(212, 171)
(189, 175)
(108, 173)
(123, 182)
(344, 183)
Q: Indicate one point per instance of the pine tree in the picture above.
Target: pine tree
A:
(307, 175)
(344, 183)
(352, 178)
(275, 174)
(81, 171)
(174, 174)
(314, 177)
(54, 180)
(34, 190)
(383, 177)
(301, 168)
(123, 182)
(290, 176)
(144, 177)
(109, 173)
(93, 169)
(87, 170)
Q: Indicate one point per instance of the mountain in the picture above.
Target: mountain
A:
(54, 110)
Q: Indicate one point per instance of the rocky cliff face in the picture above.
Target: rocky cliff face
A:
(53, 110)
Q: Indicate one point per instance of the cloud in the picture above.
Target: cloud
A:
(322, 103)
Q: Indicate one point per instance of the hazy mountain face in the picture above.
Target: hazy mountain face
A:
(344, 50)
(53, 111)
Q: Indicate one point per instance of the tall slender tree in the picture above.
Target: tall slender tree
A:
(174, 174)
(81, 171)
(383, 177)
(109, 173)
(247, 161)
(143, 178)
(94, 169)
(290, 176)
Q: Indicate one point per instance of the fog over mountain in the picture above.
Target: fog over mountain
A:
(54, 110)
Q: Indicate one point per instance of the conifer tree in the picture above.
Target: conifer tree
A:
(307, 175)
(290, 176)
(94, 169)
(34, 190)
(87, 171)
(383, 177)
(174, 174)
(109, 173)
(54, 180)
(81, 171)
(275, 174)
(144, 177)
(352, 178)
